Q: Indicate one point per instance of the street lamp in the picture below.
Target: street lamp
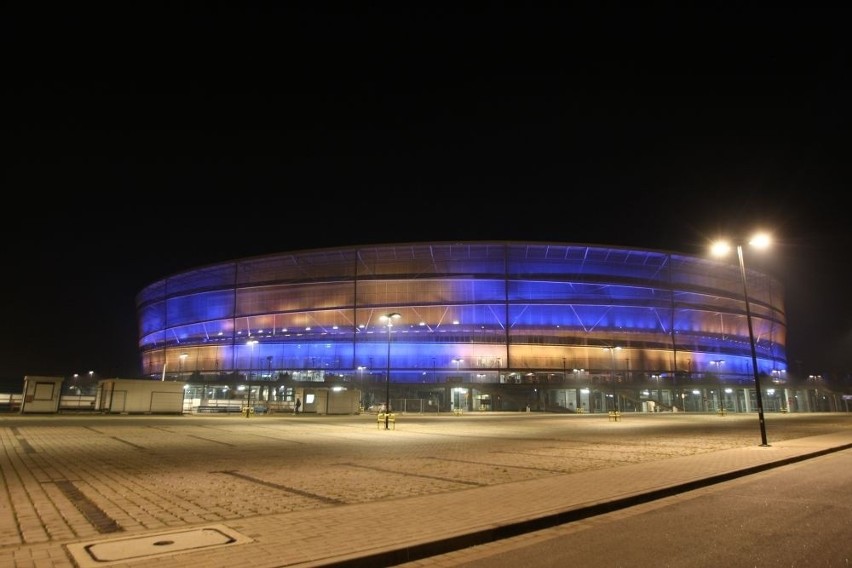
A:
(612, 351)
(655, 377)
(389, 319)
(182, 357)
(815, 381)
(578, 373)
(458, 361)
(251, 343)
(720, 248)
(361, 384)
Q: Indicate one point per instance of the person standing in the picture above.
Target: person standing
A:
(298, 405)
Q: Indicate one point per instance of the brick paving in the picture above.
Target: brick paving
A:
(303, 491)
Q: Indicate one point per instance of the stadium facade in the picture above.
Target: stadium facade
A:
(482, 326)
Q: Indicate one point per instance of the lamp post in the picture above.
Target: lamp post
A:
(389, 319)
(361, 385)
(361, 379)
(251, 343)
(655, 377)
(457, 399)
(578, 373)
(182, 357)
(815, 381)
(612, 351)
(717, 363)
(720, 248)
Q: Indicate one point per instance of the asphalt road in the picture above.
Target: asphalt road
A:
(796, 515)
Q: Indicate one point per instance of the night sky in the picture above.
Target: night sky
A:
(143, 142)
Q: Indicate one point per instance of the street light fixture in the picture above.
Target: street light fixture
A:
(612, 351)
(656, 377)
(719, 249)
(389, 319)
(458, 361)
(182, 357)
(578, 373)
(251, 343)
(815, 381)
(361, 384)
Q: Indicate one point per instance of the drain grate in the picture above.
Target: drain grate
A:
(103, 553)
(102, 522)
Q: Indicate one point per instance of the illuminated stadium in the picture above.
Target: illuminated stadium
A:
(476, 326)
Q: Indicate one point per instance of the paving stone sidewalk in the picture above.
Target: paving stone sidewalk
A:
(274, 491)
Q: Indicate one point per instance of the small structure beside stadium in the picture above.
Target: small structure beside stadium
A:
(139, 396)
(41, 394)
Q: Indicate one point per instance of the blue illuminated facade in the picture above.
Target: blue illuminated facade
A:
(483, 326)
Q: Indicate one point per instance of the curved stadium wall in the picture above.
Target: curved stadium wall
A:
(498, 319)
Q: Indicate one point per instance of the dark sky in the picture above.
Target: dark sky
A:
(143, 141)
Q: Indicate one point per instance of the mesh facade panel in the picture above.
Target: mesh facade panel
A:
(499, 307)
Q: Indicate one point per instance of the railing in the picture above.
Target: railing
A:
(11, 402)
(77, 402)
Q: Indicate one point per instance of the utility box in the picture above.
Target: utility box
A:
(139, 396)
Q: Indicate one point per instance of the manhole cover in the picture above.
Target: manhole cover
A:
(104, 552)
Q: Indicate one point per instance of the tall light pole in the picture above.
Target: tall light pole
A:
(389, 319)
(612, 350)
(655, 377)
(579, 392)
(457, 403)
(251, 343)
(718, 249)
(717, 363)
(361, 384)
